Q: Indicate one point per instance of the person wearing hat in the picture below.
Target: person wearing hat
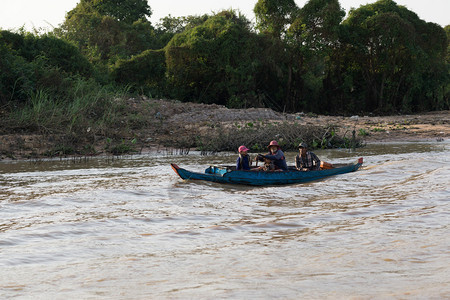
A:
(276, 156)
(306, 160)
(243, 162)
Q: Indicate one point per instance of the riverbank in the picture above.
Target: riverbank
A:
(427, 127)
(169, 125)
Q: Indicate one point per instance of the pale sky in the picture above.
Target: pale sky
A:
(48, 13)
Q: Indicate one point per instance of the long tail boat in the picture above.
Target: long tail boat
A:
(228, 174)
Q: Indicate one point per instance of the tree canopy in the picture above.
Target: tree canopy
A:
(128, 11)
(109, 29)
(380, 58)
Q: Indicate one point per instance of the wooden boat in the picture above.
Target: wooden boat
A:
(228, 174)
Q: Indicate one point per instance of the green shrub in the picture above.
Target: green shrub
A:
(57, 52)
(17, 77)
(31, 63)
(363, 132)
(143, 71)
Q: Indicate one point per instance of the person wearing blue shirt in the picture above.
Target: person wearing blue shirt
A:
(276, 156)
(243, 162)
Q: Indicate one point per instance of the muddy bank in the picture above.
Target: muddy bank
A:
(424, 127)
(432, 126)
(163, 123)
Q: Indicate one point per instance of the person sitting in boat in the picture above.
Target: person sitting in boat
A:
(306, 160)
(276, 156)
(243, 162)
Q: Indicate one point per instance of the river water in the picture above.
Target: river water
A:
(130, 228)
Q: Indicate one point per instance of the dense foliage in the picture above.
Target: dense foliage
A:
(382, 58)
(217, 62)
(31, 63)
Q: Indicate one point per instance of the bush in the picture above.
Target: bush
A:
(143, 71)
(56, 52)
(17, 78)
(31, 63)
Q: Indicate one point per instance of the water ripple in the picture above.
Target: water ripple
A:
(132, 228)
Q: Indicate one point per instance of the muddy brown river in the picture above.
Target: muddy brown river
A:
(130, 228)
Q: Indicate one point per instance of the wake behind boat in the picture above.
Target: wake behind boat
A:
(228, 174)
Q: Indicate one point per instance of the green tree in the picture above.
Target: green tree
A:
(220, 61)
(106, 30)
(30, 62)
(447, 31)
(16, 77)
(128, 11)
(310, 39)
(145, 71)
(316, 27)
(394, 57)
(446, 88)
(169, 26)
(274, 16)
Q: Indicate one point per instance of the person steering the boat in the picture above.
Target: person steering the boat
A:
(306, 160)
(276, 156)
(243, 162)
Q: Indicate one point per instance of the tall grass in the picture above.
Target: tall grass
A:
(86, 107)
(40, 113)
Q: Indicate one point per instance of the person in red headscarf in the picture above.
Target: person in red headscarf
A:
(275, 155)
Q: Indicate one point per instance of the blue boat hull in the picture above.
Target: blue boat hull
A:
(260, 178)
